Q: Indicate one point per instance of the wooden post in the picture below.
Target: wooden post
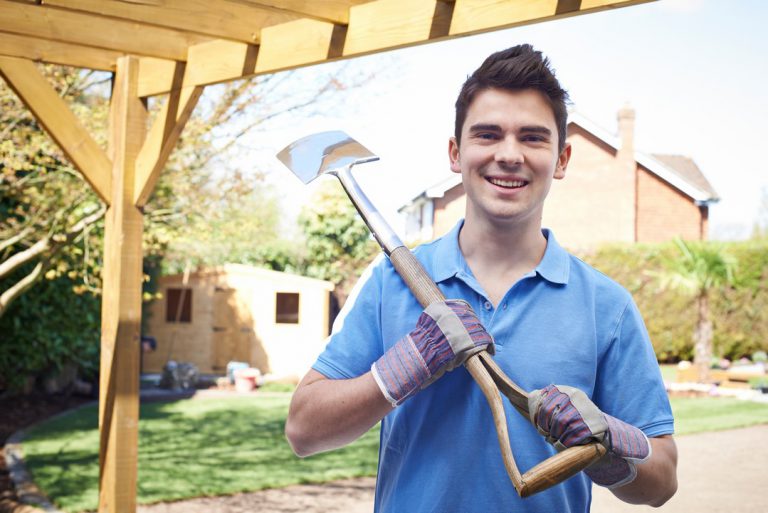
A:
(121, 301)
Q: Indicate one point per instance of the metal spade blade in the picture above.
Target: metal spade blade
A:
(334, 153)
(324, 152)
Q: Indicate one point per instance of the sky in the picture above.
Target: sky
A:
(695, 71)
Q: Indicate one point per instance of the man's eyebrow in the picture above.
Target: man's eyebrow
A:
(481, 127)
(537, 129)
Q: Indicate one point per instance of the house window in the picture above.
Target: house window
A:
(287, 308)
(178, 305)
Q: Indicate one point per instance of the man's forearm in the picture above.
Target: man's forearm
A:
(326, 414)
(656, 480)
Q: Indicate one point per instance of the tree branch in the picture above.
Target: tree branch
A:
(16, 238)
(20, 287)
(48, 244)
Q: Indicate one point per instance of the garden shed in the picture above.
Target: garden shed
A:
(276, 322)
(175, 48)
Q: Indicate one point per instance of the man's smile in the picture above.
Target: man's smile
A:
(508, 183)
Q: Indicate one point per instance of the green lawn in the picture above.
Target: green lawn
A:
(696, 415)
(223, 446)
(189, 448)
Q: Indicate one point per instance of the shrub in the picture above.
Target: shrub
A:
(739, 313)
(47, 328)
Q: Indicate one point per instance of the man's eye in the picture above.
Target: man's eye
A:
(534, 138)
(486, 135)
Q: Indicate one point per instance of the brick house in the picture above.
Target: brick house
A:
(611, 193)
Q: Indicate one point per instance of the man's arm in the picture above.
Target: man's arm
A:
(656, 480)
(327, 413)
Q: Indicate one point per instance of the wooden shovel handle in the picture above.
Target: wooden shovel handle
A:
(550, 472)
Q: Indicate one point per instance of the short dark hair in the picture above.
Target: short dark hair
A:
(514, 69)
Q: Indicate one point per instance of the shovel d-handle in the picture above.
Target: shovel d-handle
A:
(551, 471)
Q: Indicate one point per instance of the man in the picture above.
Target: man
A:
(550, 318)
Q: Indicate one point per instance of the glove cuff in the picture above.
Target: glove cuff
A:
(400, 371)
(612, 472)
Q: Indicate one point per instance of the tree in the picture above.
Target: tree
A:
(700, 269)
(49, 215)
(338, 243)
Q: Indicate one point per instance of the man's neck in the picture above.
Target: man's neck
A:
(499, 254)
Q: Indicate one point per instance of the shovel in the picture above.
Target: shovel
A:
(335, 153)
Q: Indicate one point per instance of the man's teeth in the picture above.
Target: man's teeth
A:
(506, 183)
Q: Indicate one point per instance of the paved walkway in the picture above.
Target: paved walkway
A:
(721, 472)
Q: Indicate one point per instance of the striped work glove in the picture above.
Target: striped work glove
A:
(567, 417)
(446, 334)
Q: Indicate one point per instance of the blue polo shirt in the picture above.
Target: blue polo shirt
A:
(563, 323)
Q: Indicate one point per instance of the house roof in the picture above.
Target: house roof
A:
(679, 171)
(689, 171)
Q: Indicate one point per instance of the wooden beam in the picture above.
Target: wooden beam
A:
(156, 75)
(374, 26)
(393, 23)
(121, 302)
(57, 53)
(215, 62)
(473, 16)
(333, 11)
(170, 121)
(297, 43)
(58, 120)
(209, 63)
(222, 19)
(48, 23)
(477, 15)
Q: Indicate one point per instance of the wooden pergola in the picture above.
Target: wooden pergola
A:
(176, 48)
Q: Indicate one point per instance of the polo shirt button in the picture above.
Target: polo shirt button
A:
(487, 305)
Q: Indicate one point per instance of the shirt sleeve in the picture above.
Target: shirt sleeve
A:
(355, 341)
(629, 384)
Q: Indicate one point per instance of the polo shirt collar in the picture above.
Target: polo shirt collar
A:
(449, 261)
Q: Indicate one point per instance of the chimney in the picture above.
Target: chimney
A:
(626, 118)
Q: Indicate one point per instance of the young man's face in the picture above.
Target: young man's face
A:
(508, 156)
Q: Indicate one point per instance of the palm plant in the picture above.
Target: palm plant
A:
(699, 270)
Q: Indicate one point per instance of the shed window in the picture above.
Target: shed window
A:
(287, 308)
(178, 305)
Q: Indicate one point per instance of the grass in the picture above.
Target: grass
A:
(202, 447)
(208, 447)
(700, 414)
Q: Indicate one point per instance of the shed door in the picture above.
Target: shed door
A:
(232, 329)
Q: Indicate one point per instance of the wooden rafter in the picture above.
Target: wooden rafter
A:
(126, 36)
(333, 11)
(54, 52)
(275, 34)
(221, 19)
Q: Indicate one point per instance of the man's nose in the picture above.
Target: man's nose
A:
(509, 151)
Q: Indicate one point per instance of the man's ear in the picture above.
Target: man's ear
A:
(453, 155)
(562, 162)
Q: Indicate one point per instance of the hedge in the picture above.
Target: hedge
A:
(739, 313)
